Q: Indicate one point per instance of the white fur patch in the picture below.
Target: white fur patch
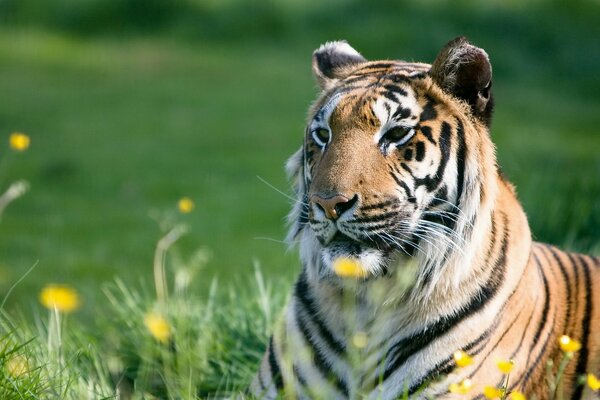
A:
(340, 47)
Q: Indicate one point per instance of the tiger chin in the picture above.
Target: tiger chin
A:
(397, 172)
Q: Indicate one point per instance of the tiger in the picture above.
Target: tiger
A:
(397, 174)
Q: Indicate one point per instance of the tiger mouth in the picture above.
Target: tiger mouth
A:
(354, 247)
(343, 242)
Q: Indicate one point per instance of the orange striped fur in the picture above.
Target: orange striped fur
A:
(398, 174)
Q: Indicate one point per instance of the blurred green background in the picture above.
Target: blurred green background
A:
(132, 104)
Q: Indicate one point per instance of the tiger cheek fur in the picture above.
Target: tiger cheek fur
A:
(398, 172)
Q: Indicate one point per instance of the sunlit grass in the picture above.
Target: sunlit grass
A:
(185, 345)
(122, 125)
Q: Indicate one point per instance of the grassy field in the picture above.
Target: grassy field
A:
(122, 126)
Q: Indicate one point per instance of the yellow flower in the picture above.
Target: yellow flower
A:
(158, 326)
(17, 366)
(348, 268)
(461, 388)
(19, 141)
(516, 395)
(593, 382)
(360, 340)
(185, 205)
(569, 345)
(505, 366)
(60, 297)
(462, 359)
(491, 392)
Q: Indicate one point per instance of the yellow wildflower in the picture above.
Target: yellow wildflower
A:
(60, 297)
(158, 326)
(461, 388)
(492, 392)
(360, 340)
(516, 395)
(569, 345)
(17, 366)
(348, 268)
(593, 382)
(19, 141)
(505, 366)
(185, 205)
(462, 359)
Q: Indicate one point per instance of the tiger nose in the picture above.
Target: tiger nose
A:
(333, 206)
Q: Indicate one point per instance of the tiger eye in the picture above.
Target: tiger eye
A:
(396, 134)
(321, 136)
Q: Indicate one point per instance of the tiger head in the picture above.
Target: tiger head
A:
(396, 161)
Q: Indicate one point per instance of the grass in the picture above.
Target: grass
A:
(124, 125)
(210, 344)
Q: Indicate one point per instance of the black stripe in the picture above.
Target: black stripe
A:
(409, 196)
(275, 370)
(395, 89)
(585, 332)
(406, 168)
(494, 237)
(399, 77)
(542, 321)
(401, 113)
(431, 182)
(381, 226)
(541, 324)
(299, 376)
(426, 131)
(446, 366)
(495, 346)
(461, 162)
(305, 299)
(565, 276)
(319, 359)
(575, 268)
(390, 96)
(355, 79)
(420, 149)
(375, 218)
(383, 204)
(260, 380)
(400, 352)
(522, 340)
(429, 111)
(531, 369)
(441, 197)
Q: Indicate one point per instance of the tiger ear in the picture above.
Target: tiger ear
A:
(464, 71)
(330, 62)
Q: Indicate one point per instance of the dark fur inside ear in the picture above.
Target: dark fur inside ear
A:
(331, 60)
(464, 71)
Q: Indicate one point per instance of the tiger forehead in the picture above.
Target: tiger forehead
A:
(381, 71)
(371, 87)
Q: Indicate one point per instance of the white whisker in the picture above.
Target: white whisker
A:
(281, 192)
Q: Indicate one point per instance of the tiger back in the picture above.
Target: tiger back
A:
(414, 246)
